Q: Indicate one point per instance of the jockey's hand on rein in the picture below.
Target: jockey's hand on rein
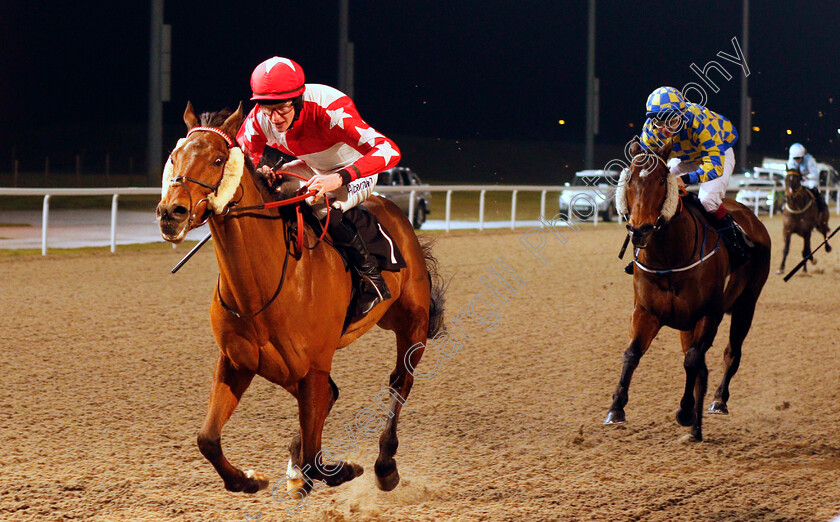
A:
(324, 183)
(268, 175)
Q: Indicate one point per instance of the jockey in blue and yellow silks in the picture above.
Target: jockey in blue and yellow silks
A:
(702, 142)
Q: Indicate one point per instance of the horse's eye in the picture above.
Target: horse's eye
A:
(662, 181)
(218, 162)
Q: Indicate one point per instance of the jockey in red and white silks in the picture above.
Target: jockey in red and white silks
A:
(327, 136)
(335, 149)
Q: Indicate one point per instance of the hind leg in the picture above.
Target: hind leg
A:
(742, 316)
(229, 384)
(822, 226)
(410, 348)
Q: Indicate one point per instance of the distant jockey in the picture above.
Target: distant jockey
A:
(799, 159)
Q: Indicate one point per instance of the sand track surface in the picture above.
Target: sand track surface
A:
(106, 362)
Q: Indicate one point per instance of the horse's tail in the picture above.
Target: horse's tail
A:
(438, 288)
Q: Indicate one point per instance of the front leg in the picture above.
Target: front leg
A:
(695, 344)
(645, 326)
(229, 383)
(785, 251)
(315, 398)
(806, 251)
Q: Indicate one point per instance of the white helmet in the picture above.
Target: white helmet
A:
(797, 151)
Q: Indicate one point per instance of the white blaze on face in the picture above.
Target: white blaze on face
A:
(231, 177)
(169, 171)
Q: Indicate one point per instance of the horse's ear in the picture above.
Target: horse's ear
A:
(189, 117)
(665, 151)
(232, 123)
(635, 148)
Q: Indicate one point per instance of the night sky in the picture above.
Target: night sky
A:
(454, 70)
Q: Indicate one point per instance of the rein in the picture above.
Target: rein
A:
(290, 201)
(238, 315)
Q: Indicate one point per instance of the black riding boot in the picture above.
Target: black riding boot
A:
(735, 240)
(822, 206)
(372, 288)
(629, 268)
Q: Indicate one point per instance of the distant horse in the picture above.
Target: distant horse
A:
(680, 281)
(801, 216)
(280, 314)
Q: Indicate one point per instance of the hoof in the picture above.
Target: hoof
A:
(615, 417)
(293, 484)
(251, 482)
(780, 271)
(256, 481)
(827, 248)
(389, 481)
(686, 417)
(357, 470)
(718, 408)
(689, 438)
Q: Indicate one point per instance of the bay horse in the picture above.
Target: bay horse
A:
(801, 216)
(289, 338)
(682, 280)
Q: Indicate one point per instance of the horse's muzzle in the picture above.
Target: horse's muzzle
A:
(173, 219)
(640, 236)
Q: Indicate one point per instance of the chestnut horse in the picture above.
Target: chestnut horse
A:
(281, 315)
(801, 216)
(680, 280)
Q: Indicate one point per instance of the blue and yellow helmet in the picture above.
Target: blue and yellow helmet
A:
(665, 101)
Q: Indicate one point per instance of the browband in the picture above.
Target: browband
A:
(220, 132)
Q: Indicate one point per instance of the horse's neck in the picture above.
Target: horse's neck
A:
(247, 247)
(674, 244)
(801, 194)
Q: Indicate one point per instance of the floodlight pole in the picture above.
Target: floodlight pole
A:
(154, 148)
(746, 102)
(591, 92)
(345, 50)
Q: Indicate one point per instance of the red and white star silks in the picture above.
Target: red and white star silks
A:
(328, 136)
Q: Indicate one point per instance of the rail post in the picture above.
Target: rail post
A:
(45, 218)
(449, 208)
(114, 222)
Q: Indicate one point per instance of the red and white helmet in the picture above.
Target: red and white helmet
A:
(277, 79)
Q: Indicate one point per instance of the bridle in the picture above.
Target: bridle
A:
(661, 221)
(214, 189)
(794, 193)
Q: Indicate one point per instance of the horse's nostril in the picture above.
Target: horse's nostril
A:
(179, 211)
